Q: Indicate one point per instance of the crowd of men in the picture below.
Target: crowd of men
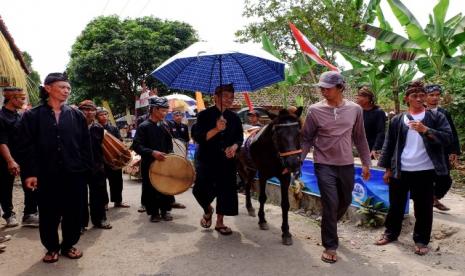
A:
(57, 152)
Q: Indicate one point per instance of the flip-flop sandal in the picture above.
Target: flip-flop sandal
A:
(332, 255)
(383, 240)
(178, 205)
(72, 253)
(50, 257)
(224, 230)
(206, 221)
(421, 249)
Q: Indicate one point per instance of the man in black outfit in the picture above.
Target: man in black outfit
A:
(443, 183)
(15, 98)
(115, 177)
(152, 142)
(97, 193)
(219, 134)
(54, 153)
(374, 120)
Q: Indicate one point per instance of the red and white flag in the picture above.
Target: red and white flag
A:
(309, 49)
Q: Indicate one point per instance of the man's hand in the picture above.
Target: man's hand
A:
(365, 172)
(418, 126)
(387, 175)
(159, 156)
(231, 151)
(13, 168)
(31, 183)
(221, 124)
(374, 154)
(453, 159)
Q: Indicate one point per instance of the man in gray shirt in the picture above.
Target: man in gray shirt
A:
(331, 127)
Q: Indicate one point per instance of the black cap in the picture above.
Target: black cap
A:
(54, 77)
(158, 102)
(433, 87)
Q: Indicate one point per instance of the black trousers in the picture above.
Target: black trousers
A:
(336, 184)
(6, 191)
(115, 181)
(95, 199)
(60, 197)
(154, 201)
(30, 200)
(442, 184)
(219, 183)
(420, 185)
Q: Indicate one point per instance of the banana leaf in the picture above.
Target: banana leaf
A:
(268, 46)
(411, 24)
(457, 40)
(389, 37)
(370, 11)
(453, 21)
(439, 12)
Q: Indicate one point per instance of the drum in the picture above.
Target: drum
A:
(115, 154)
(172, 176)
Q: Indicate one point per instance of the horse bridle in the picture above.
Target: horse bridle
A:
(291, 152)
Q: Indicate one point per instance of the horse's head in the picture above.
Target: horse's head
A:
(286, 128)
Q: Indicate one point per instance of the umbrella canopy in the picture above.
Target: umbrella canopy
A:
(181, 97)
(203, 66)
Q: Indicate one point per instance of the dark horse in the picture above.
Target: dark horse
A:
(274, 152)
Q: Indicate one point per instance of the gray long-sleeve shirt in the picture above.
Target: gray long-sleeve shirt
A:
(332, 130)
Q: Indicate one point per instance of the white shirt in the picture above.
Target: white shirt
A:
(414, 156)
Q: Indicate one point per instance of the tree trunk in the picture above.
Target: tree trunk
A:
(395, 93)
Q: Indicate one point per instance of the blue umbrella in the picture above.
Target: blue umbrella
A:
(204, 66)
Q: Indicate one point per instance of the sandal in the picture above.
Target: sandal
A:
(50, 257)
(206, 221)
(121, 205)
(383, 240)
(421, 249)
(104, 225)
(329, 256)
(72, 253)
(177, 205)
(224, 230)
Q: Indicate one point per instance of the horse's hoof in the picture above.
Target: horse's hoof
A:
(263, 226)
(287, 240)
(251, 211)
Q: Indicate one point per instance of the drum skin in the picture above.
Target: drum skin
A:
(172, 176)
(115, 153)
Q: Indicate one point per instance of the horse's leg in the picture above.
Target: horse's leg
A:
(248, 187)
(286, 236)
(262, 198)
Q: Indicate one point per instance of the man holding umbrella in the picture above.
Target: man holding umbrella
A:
(219, 134)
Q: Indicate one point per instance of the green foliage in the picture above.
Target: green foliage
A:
(327, 24)
(372, 213)
(112, 56)
(33, 80)
(433, 48)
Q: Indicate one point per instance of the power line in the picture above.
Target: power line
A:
(124, 7)
(144, 7)
(105, 7)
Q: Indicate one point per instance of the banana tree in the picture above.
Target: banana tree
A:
(434, 48)
(387, 78)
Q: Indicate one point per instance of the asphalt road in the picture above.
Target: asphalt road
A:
(136, 246)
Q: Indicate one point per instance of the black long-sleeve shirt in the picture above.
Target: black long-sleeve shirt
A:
(211, 152)
(151, 136)
(374, 121)
(96, 139)
(8, 124)
(46, 147)
(114, 131)
(179, 131)
(454, 147)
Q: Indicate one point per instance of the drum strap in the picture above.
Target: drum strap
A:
(176, 143)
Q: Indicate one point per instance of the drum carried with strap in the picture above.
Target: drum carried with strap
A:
(115, 153)
(172, 176)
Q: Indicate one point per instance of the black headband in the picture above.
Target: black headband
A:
(54, 77)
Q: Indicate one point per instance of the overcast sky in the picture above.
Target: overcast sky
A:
(47, 28)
